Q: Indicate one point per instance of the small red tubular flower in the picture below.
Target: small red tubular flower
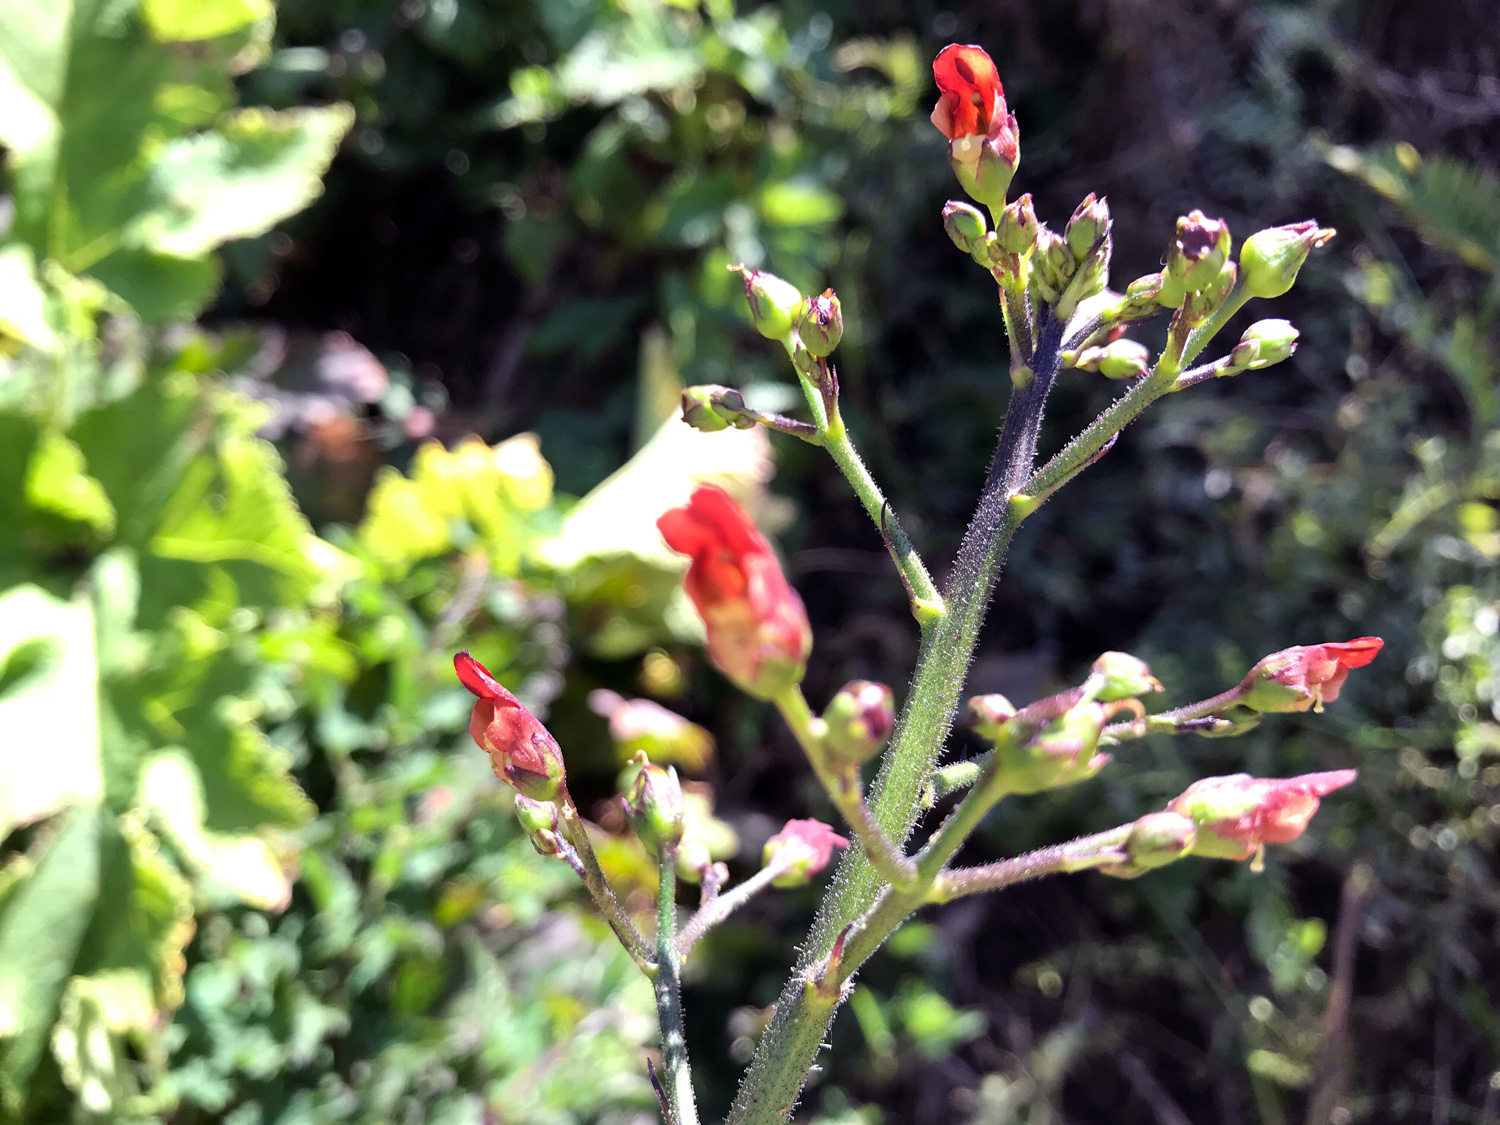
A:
(758, 633)
(804, 847)
(1307, 676)
(1237, 815)
(984, 140)
(522, 751)
(972, 97)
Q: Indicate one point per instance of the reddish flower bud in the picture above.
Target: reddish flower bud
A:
(521, 750)
(860, 719)
(984, 140)
(1199, 250)
(805, 846)
(1238, 814)
(821, 325)
(758, 634)
(1307, 676)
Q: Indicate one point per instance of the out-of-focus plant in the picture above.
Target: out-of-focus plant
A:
(1058, 312)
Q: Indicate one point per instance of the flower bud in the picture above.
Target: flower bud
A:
(711, 408)
(757, 628)
(1236, 816)
(1155, 840)
(988, 715)
(1198, 307)
(805, 847)
(655, 807)
(1118, 359)
(965, 225)
(1062, 752)
(1199, 250)
(643, 726)
(821, 326)
(1016, 229)
(1051, 266)
(859, 719)
(522, 751)
(1306, 676)
(539, 820)
(774, 304)
(1140, 299)
(1265, 342)
(1271, 258)
(1088, 227)
(1125, 677)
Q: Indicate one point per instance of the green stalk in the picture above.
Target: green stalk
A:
(678, 1077)
(790, 1044)
(927, 604)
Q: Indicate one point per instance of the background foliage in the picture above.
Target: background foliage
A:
(251, 871)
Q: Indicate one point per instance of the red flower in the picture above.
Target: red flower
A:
(758, 634)
(1307, 676)
(1238, 814)
(805, 847)
(522, 751)
(984, 141)
(973, 101)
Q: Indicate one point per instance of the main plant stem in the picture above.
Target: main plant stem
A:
(678, 1078)
(791, 1042)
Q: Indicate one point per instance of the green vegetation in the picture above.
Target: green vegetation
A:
(251, 868)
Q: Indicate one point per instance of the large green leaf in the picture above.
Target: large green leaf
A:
(117, 178)
(237, 180)
(42, 925)
(49, 723)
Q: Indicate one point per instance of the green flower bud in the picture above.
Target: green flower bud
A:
(1271, 258)
(821, 325)
(1155, 840)
(859, 719)
(1265, 342)
(988, 715)
(1119, 359)
(1062, 752)
(965, 225)
(1199, 250)
(539, 820)
(1016, 229)
(1090, 223)
(1052, 265)
(1125, 676)
(985, 165)
(1198, 307)
(711, 408)
(655, 807)
(774, 304)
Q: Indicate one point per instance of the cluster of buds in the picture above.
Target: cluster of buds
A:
(757, 628)
(1055, 741)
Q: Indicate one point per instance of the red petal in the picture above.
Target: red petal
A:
(971, 89)
(1356, 653)
(476, 677)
